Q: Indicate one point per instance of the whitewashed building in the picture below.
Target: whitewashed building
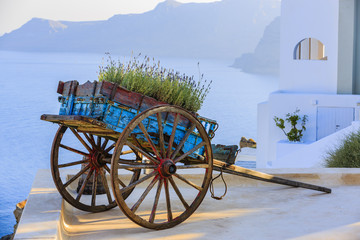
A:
(320, 75)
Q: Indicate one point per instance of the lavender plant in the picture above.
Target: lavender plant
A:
(148, 77)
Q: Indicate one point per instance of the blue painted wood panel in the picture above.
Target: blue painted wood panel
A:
(117, 116)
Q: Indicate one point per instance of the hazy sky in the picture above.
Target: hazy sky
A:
(15, 13)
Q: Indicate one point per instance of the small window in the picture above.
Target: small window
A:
(310, 49)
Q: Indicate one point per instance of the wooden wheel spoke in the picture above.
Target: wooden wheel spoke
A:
(178, 193)
(152, 145)
(73, 163)
(168, 203)
(193, 166)
(161, 135)
(136, 154)
(87, 177)
(132, 185)
(200, 145)
(81, 191)
(172, 137)
(142, 151)
(81, 139)
(188, 182)
(143, 196)
(90, 140)
(156, 201)
(107, 168)
(103, 146)
(94, 188)
(98, 142)
(109, 148)
(76, 176)
(106, 160)
(136, 143)
(148, 138)
(181, 144)
(106, 186)
(74, 150)
(121, 182)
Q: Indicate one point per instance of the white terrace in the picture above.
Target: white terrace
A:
(319, 74)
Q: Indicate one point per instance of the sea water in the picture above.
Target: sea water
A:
(28, 83)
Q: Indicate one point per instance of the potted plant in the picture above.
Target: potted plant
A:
(148, 78)
(294, 134)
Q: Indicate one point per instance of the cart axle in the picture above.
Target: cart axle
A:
(167, 168)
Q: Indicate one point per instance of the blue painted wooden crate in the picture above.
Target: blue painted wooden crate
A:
(116, 107)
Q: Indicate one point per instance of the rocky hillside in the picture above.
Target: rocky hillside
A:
(266, 57)
(224, 29)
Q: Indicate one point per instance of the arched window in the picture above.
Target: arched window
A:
(310, 49)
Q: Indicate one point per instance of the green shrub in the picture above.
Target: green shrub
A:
(294, 135)
(149, 78)
(347, 154)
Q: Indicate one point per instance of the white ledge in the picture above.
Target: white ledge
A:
(251, 210)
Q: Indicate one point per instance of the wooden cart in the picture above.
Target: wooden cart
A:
(110, 134)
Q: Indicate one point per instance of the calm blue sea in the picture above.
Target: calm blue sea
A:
(28, 83)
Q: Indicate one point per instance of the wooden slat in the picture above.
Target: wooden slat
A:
(82, 124)
(59, 118)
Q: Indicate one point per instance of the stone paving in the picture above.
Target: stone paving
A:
(251, 210)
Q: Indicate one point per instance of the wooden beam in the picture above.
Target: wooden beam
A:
(244, 172)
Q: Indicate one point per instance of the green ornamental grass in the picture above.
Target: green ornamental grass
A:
(149, 78)
(347, 154)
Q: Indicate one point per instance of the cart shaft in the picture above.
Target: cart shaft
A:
(244, 172)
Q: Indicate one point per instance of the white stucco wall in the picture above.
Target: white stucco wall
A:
(306, 155)
(262, 134)
(279, 105)
(309, 84)
(302, 19)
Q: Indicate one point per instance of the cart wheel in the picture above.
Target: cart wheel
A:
(93, 154)
(168, 137)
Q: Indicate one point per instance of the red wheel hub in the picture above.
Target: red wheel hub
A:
(166, 167)
(96, 159)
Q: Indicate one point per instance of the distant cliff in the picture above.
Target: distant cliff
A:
(266, 57)
(224, 29)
